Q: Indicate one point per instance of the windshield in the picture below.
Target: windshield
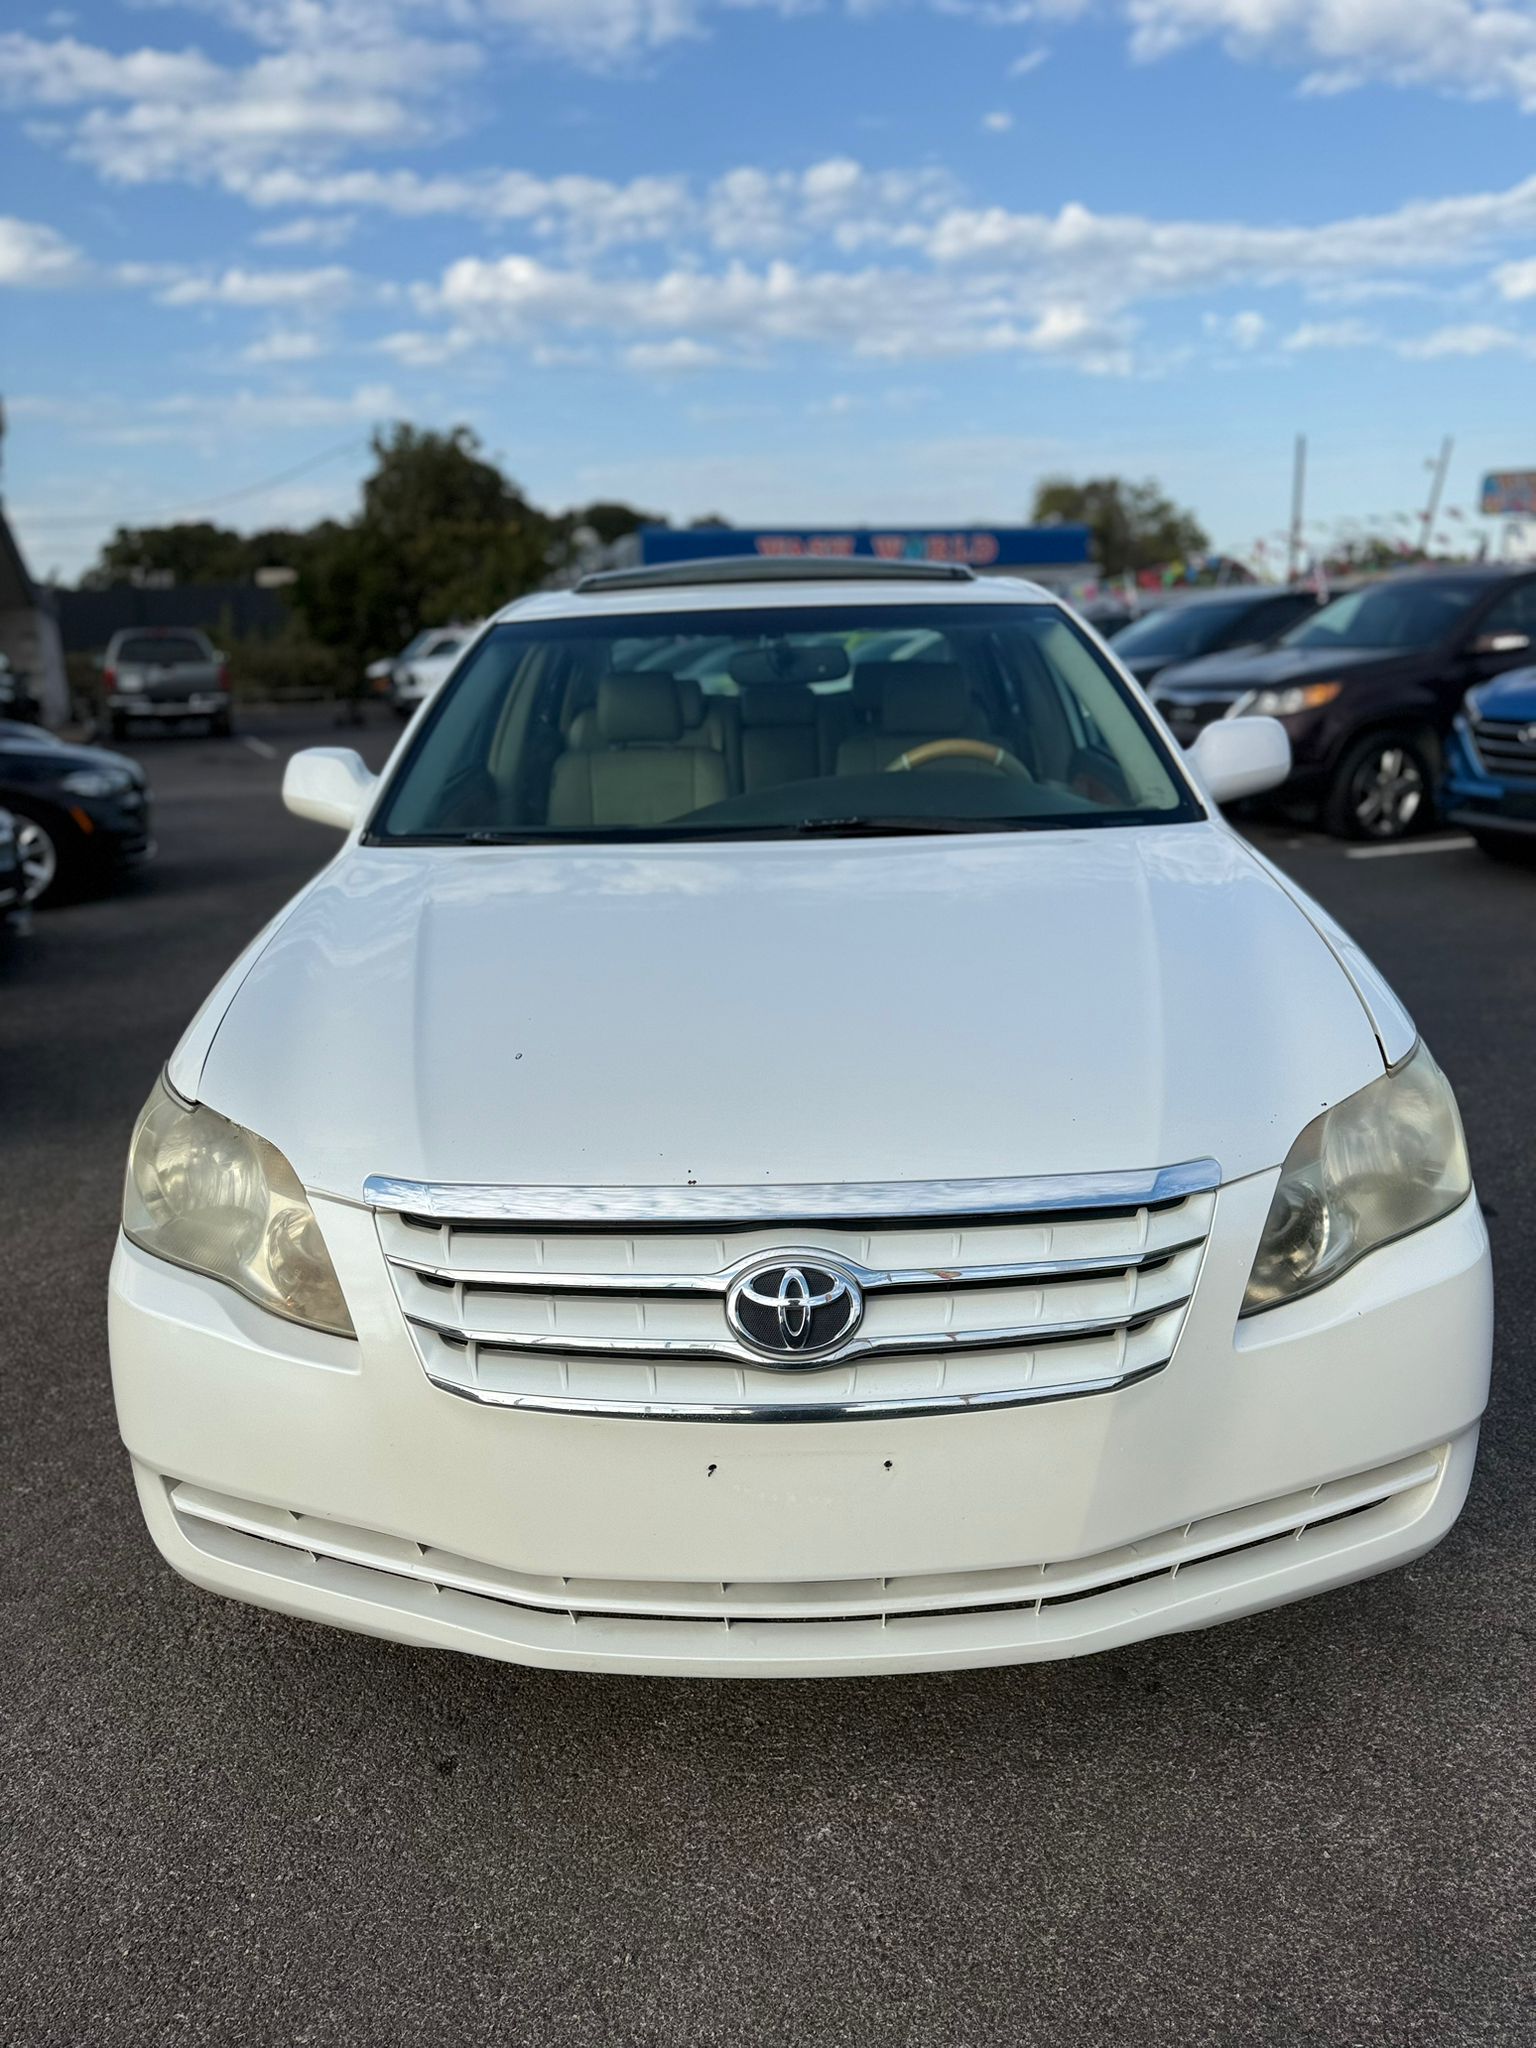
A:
(1406, 614)
(1180, 631)
(768, 723)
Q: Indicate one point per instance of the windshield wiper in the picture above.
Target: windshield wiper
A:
(887, 828)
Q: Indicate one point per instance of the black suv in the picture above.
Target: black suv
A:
(1367, 688)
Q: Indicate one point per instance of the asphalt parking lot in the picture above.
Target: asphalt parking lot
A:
(1313, 1827)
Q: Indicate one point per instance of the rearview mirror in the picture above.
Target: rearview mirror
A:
(1235, 757)
(782, 662)
(332, 785)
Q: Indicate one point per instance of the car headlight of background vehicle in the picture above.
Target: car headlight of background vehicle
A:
(217, 1199)
(1285, 703)
(95, 782)
(1381, 1163)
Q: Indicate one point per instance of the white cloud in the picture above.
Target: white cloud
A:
(309, 231)
(150, 113)
(1516, 280)
(284, 345)
(1474, 339)
(669, 357)
(1238, 330)
(1117, 257)
(1314, 334)
(1484, 48)
(997, 124)
(32, 254)
(236, 287)
(1031, 60)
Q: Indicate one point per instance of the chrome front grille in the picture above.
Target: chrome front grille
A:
(976, 1294)
(1507, 748)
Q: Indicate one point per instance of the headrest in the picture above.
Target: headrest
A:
(690, 701)
(778, 704)
(637, 707)
(919, 696)
(580, 696)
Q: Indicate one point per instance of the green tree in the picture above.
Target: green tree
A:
(1134, 525)
(442, 535)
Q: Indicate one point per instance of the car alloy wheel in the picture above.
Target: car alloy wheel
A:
(1386, 792)
(39, 859)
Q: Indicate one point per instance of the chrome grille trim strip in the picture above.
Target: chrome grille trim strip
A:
(885, 1409)
(914, 1279)
(1024, 1336)
(804, 1202)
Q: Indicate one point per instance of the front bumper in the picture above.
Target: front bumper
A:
(1480, 802)
(203, 704)
(1274, 1458)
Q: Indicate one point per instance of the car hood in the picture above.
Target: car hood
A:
(1510, 696)
(1274, 667)
(891, 1010)
(46, 759)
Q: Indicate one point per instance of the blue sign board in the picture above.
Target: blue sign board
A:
(981, 547)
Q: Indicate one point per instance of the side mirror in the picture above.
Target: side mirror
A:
(1236, 757)
(329, 784)
(1500, 643)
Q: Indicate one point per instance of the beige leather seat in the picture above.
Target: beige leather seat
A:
(637, 766)
(781, 736)
(915, 701)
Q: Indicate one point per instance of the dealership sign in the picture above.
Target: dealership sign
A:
(979, 547)
(1509, 494)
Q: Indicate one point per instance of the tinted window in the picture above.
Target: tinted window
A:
(1182, 631)
(1514, 613)
(769, 722)
(1410, 613)
(165, 650)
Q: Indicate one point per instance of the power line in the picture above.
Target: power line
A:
(269, 483)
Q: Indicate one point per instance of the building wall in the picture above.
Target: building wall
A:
(29, 639)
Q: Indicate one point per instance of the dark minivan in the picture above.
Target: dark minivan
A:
(1198, 622)
(1367, 688)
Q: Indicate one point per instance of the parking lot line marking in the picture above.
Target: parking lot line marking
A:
(1457, 845)
(259, 747)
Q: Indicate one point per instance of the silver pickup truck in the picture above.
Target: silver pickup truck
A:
(165, 673)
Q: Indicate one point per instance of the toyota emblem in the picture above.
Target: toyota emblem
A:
(794, 1310)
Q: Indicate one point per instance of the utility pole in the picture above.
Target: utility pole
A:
(1298, 502)
(1437, 486)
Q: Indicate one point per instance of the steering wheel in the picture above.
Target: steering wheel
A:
(959, 750)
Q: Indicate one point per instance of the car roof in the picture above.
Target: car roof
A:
(782, 592)
(1226, 593)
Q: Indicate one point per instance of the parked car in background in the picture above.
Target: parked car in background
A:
(14, 894)
(915, 1190)
(81, 811)
(16, 698)
(1490, 784)
(427, 665)
(1367, 689)
(163, 675)
(380, 675)
(1196, 622)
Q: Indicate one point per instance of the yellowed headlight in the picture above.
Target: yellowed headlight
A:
(206, 1194)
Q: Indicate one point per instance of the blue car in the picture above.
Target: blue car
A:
(1490, 785)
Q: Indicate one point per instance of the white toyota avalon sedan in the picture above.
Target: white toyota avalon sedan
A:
(793, 1139)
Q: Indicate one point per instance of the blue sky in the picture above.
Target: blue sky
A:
(792, 261)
